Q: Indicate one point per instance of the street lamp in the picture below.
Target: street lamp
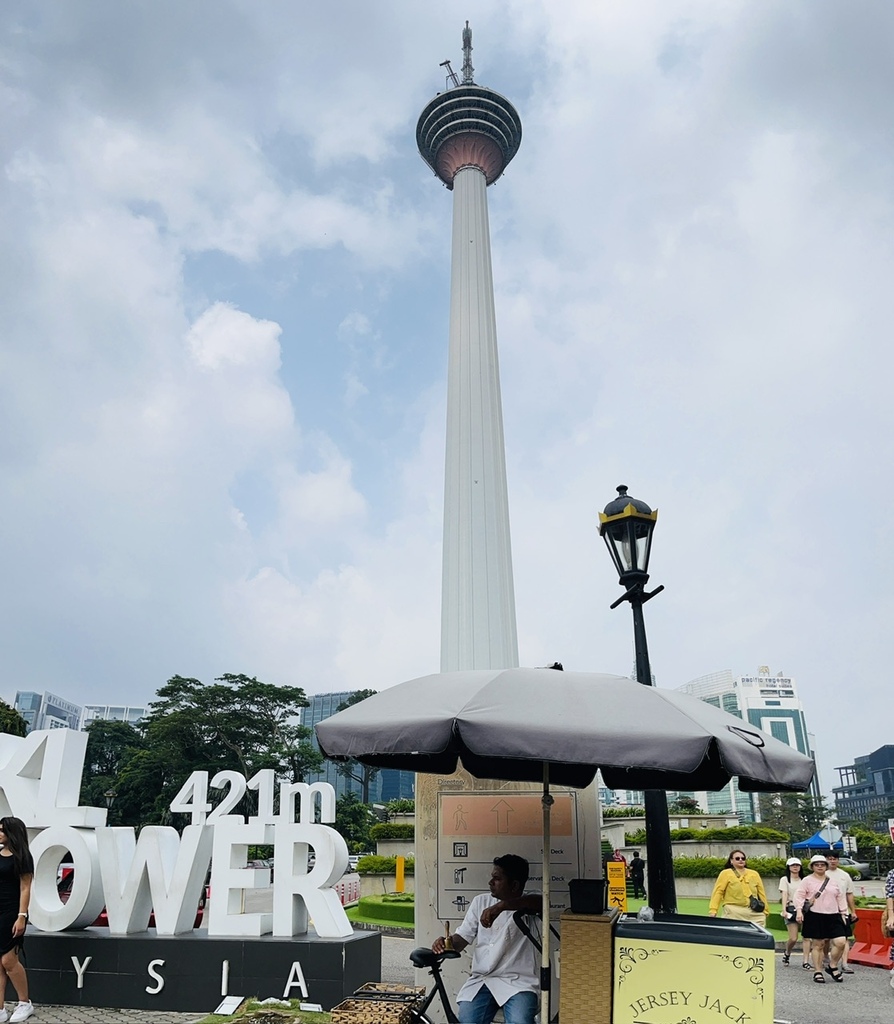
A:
(110, 795)
(626, 526)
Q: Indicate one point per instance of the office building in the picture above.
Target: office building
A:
(387, 784)
(865, 791)
(47, 710)
(768, 702)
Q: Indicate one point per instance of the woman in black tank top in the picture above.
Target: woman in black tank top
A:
(16, 873)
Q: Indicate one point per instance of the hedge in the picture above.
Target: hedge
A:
(375, 865)
(397, 907)
(736, 834)
(710, 867)
(392, 830)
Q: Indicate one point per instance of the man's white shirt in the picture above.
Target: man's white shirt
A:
(504, 958)
(842, 879)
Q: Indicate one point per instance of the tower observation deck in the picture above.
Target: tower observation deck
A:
(468, 126)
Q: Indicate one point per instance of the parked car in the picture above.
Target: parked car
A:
(858, 870)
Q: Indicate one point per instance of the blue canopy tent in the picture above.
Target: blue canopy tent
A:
(816, 842)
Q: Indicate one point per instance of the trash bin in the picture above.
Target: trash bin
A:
(698, 969)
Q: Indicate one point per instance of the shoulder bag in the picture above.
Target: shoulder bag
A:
(754, 904)
(808, 904)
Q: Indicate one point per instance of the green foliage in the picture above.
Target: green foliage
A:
(11, 722)
(623, 812)
(710, 867)
(397, 907)
(402, 806)
(868, 840)
(870, 902)
(354, 820)
(736, 834)
(685, 805)
(796, 814)
(237, 723)
(375, 865)
(111, 746)
(392, 830)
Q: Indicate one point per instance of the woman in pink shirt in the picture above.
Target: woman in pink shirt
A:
(823, 914)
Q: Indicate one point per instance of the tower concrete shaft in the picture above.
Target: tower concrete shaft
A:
(478, 628)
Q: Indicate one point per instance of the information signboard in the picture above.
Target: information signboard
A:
(473, 828)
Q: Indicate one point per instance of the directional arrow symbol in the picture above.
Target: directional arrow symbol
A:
(502, 810)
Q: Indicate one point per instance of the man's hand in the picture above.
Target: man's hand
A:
(439, 945)
(490, 914)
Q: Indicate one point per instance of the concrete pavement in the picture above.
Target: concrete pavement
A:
(865, 996)
(99, 1015)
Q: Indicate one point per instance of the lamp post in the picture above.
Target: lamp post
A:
(110, 795)
(627, 525)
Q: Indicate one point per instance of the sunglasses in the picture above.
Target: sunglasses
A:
(740, 858)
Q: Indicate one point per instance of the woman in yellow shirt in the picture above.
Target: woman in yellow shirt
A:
(735, 887)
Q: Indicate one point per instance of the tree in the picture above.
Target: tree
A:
(797, 814)
(354, 819)
(237, 723)
(362, 773)
(11, 722)
(110, 748)
(685, 805)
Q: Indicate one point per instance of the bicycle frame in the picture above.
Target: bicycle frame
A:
(422, 958)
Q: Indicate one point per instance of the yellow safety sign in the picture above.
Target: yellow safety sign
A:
(617, 884)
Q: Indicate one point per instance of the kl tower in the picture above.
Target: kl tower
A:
(467, 135)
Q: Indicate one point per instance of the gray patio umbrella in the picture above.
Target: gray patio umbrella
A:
(505, 724)
(525, 724)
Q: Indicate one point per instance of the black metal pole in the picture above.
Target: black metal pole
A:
(659, 855)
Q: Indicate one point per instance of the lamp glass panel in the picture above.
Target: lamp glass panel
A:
(643, 545)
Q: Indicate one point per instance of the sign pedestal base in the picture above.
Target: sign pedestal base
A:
(193, 972)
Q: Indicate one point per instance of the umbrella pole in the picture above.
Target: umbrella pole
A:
(545, 974)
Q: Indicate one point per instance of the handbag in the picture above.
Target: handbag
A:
(791, 911)
(756, 905)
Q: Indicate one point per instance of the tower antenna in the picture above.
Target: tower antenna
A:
(452, 77)
(468, 70)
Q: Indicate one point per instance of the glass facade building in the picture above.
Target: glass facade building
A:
(387, 784)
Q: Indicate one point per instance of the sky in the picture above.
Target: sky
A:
(224, 291)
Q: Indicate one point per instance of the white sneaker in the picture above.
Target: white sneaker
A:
(22, 1012)
(892, 981)
(4, 1015)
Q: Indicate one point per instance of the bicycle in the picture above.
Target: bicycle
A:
(425, 958)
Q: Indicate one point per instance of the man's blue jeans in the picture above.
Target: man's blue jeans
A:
(519, 1009)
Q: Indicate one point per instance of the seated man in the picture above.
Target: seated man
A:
(505, 970)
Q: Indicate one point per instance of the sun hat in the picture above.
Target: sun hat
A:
(792, 860)
(818, 858)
